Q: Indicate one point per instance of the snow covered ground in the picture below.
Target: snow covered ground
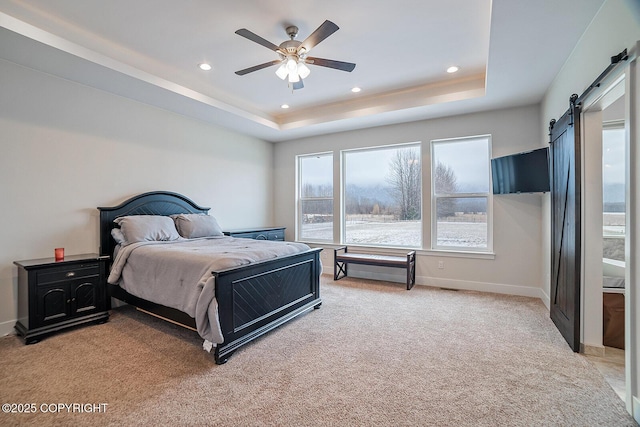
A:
(459, 234)
(402, 233)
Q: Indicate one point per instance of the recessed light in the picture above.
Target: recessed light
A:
(284, 106)
(204, 66)
(452, 69)
(356, 89)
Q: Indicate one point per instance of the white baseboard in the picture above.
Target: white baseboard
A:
(467, 285)
(498, 288)
(6, 328)
(546, 299)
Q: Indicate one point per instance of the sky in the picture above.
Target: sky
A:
(317, 170)
(613, 154)
(366, 167)
(371, 167)
(469, 159)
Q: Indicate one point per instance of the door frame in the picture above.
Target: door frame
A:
(627, 77)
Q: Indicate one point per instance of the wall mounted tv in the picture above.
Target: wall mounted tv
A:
(526, 172)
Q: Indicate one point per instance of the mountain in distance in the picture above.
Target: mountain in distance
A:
(377, 193)
(613, 193)
(613, 197)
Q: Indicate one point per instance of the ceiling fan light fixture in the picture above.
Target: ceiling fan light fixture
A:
(282, 71)
(291, 65)
(303, 70)
(294, 77)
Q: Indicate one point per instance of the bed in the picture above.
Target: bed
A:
(252, 299)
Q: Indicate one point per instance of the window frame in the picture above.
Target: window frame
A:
(435, 197)
(300, 200)
(343, 192)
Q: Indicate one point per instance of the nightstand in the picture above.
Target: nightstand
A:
(55, 295)
(258, 233)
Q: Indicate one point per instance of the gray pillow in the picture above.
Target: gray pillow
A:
(118, 236)
(191, 226)
(140, 228)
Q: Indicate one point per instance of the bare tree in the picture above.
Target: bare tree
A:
(317, 205)
(315, 190)
(404, 179)
(445, 181)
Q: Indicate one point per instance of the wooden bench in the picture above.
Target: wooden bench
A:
(342, 258)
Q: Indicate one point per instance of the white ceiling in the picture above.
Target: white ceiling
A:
(508, 52)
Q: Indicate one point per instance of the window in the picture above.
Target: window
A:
(383, 196)
(460, 194)
(315, 197)
(613, 191)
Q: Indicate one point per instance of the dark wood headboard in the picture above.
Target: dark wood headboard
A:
(152, 203)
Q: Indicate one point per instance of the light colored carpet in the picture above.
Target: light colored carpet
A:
(374, 354)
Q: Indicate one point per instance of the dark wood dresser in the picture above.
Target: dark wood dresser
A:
(258, 233)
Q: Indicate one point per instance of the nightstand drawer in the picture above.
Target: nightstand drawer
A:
(58, 274)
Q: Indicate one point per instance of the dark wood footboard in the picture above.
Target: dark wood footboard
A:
(254, 299)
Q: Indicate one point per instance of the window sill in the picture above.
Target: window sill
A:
(395, 250)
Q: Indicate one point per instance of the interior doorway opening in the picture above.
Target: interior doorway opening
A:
(604, 287)
(613, 247)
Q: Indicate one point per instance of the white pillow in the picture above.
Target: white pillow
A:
(140, 228)
(191, 226)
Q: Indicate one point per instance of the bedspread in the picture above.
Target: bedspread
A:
(178, 274)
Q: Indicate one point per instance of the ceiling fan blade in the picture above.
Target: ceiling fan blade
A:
(322, 32)
(330, 63)
(257, 67)
(256, 38)
(298, 85)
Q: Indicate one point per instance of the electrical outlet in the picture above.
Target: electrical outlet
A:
(441, 265)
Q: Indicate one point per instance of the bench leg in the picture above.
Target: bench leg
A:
(411, 276)
(411, 272)
(339, 268)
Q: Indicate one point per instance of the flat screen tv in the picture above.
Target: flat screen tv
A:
(526, 172)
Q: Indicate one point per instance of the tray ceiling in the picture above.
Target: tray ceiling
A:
(149, 51)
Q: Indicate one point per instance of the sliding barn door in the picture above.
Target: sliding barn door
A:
(565, 225)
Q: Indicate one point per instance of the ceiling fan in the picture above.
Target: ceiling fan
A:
(293, 54)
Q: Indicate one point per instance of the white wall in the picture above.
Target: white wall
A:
(516, 268)
(66, 149)
(614, 28)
